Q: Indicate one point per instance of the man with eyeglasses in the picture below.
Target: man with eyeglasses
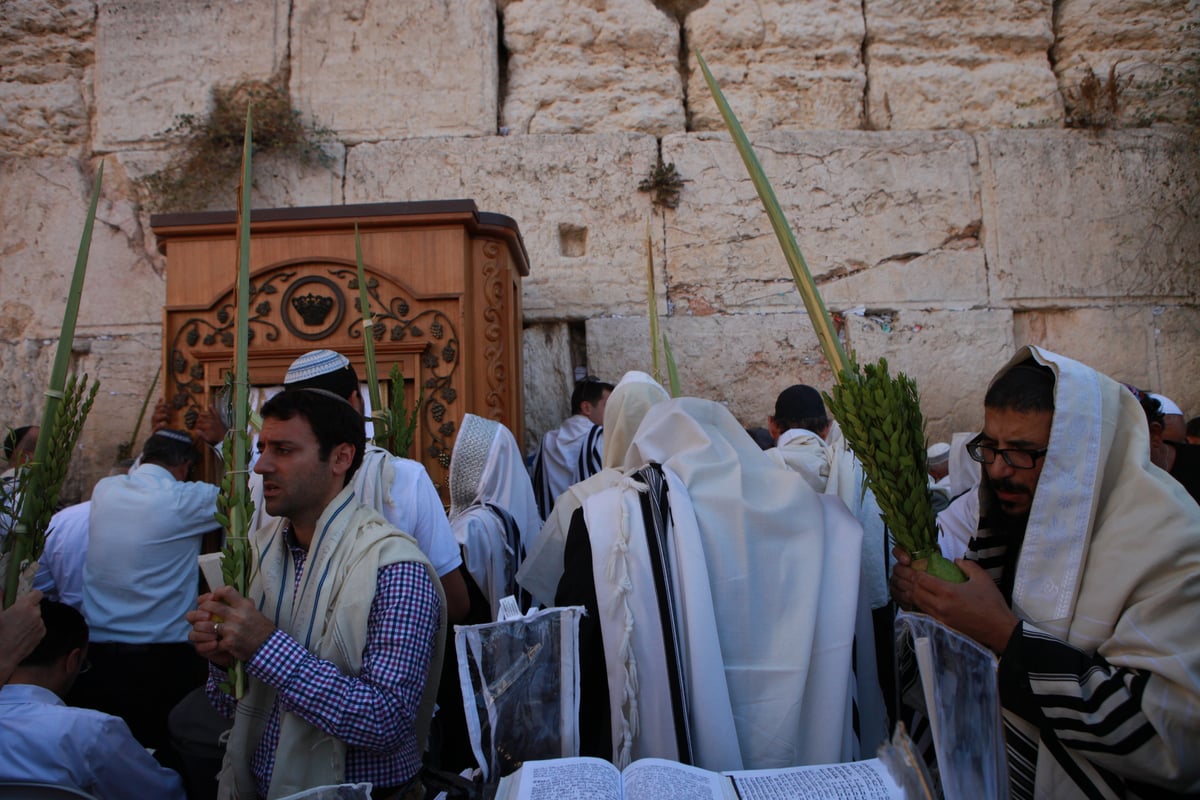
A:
(1083, 576)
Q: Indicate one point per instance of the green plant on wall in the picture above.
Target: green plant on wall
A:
(211, 145)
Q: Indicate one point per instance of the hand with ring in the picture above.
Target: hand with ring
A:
(205, 635)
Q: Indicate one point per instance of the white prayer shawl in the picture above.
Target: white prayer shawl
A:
(847, 481)
(1110, 563)
(623, 413)
(559, 462)
(765, 580)
(486, 469)
(328, 616)
(806, 453)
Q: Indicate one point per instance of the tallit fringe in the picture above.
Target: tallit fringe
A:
(617, 571)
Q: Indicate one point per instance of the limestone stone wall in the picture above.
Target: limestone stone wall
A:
(928, 155)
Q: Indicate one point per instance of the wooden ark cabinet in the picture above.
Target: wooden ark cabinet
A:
(444, 284)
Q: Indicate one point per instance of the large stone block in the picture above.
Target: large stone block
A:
(575, 199)
(39, 245)
(780, 64)
(396, 68)
(1177, 355)
(1126, 49)
(743, 361)
(125, 365)
(120, 311)
(591, 68)
(158, 59)
(46, 55)
(882, 218)
(952, 356)
(1117, 341)
(957, 64)
(1080, 216)
(1155, 347)
(549, 377)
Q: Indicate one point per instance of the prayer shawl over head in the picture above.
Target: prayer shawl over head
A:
(1108, 576)
(755, 629)
(493, 512)
(626, 407)
(569, 454)
(327, 614)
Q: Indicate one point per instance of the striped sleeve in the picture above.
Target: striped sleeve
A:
(1090, 705)
(1089, 713)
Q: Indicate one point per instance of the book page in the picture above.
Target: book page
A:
(567, 779)
(855, 780)
(658, 779)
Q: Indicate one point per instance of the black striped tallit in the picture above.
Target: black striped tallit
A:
(590, 457)
(656, 516)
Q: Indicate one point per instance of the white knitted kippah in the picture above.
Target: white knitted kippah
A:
(1169, 406)
(178, 436)
(314, 363)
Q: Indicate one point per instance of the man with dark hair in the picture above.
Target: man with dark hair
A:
(44, 741)
(398, 488)
(139, 579)
(799, 426)
(1082, 578)
(20, 444)
(342, 628)
(573, 451)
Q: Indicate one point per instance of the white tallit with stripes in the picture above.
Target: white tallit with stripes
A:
(763, 580)
(1108, 586)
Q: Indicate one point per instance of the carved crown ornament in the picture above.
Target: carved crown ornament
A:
(316, 304)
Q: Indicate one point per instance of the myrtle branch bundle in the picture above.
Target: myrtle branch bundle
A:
(880, 415)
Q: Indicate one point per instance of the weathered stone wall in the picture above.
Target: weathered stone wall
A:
(920, 149)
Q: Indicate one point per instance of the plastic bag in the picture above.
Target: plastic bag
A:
(520, 685)
(962, 701)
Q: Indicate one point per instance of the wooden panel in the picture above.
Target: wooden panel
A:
(444, 293)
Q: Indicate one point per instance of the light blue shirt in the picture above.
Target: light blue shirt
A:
(42, 740)
(60, 568)
(141, 575)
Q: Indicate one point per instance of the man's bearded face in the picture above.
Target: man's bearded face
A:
(1006, 429)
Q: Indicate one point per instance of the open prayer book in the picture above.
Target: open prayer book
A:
(658, 779)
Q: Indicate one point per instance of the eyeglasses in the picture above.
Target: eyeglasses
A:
(1014, 457)
(87, 665)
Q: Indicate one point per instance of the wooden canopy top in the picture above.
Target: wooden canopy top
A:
(367, 215)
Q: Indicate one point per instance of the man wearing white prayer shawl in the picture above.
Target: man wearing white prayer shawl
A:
(492, 509)
(725, 590)
(571, 452)
(623, 413)
(1085, 579)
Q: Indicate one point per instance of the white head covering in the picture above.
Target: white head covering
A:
(486, 467)
(631, 398)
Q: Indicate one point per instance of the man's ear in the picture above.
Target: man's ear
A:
(585, 408)
(73, 661)
(341, 457)
(772, 427)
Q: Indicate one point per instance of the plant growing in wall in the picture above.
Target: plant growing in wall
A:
(210, 150)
